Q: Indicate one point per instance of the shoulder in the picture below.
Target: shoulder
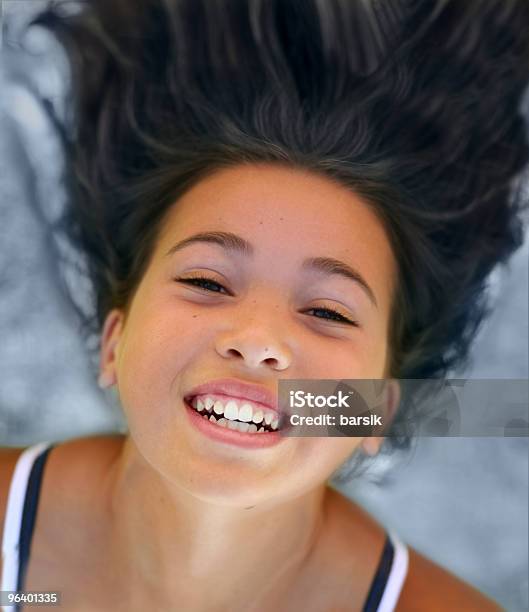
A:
(70, 514)
(74, 481)
(71, 466)
(75, 463)
(427, 585)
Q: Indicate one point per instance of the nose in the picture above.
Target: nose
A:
(254, 349)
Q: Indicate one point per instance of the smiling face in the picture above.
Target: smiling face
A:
(278, 250)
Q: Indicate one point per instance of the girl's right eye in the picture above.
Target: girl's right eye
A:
(205, 283)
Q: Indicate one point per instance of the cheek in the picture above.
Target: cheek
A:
(363, 358)
(155, 350)
(315, 459)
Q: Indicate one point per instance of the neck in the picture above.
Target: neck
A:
(170, 543)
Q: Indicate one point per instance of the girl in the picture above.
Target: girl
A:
(265, 191)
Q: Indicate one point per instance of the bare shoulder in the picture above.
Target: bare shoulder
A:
(430, 587)
(427, 586)
(80, 460)
(75, 477)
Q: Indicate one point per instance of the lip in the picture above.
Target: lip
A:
(229, 436)
(238, 390)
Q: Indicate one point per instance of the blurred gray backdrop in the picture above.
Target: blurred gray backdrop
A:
(461, 501)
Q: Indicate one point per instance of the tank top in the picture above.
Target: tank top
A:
(21, 511)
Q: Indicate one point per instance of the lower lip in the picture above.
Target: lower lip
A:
(229, 436)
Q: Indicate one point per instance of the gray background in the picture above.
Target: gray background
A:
(463, 502)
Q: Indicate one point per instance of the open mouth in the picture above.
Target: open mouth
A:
(239, 415)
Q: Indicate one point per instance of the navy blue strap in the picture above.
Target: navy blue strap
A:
(381, 577)
(29, 514)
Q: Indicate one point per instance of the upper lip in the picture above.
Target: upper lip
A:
(237, 389)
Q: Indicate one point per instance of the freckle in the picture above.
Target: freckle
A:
(266, 349)
(260, 223)
(281, 218)
(195, 316)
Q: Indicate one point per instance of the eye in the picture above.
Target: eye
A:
(332, 315)
(205, 283)
(208, 284)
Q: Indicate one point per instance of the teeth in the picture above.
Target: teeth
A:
(257, 416)
(235, 425)
(245, 418)
(245, 413)
(209, 403)
(231, 412)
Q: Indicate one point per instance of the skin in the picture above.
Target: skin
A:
(224, 505)
(165, 513)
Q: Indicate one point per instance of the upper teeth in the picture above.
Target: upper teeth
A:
(236, 410)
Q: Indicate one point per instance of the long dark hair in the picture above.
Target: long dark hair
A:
(415, 106)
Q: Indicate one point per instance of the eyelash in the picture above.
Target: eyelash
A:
(194, 281)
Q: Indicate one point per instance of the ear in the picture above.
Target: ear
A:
(371, 445)
(110, 337)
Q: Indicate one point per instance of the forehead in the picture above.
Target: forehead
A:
(287, 215)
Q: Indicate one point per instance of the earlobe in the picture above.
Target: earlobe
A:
(105, 380)
(371, 445)
(393, 399)
(110, 336)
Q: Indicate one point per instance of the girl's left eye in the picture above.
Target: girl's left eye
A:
(203, 282)
(332, 315)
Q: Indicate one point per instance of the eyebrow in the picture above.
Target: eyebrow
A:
(234, 243)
